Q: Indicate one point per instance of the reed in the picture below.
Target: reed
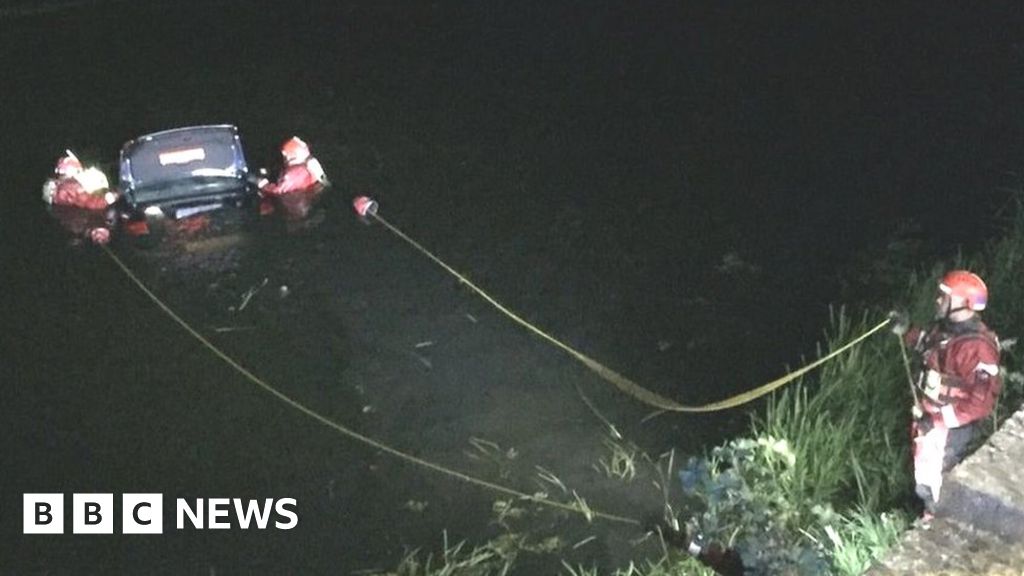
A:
(863, 536)
(621, 461)
(849, 429)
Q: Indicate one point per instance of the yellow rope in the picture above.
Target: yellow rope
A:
(579, 509)
(906, 368)
(621, 382)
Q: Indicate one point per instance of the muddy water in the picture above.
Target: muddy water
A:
(672, 192)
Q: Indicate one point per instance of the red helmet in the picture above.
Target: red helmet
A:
(966, 286)
(68, 165)
(295, 151)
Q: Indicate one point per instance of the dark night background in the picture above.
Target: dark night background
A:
(678, 189)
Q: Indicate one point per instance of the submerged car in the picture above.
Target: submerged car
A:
(176, 175)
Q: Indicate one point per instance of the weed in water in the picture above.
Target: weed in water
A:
(549, 478)
(620, 462)
(487, 451)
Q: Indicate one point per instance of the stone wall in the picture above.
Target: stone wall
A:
(979, 525)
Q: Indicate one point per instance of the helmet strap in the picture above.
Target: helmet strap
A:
(952, 311)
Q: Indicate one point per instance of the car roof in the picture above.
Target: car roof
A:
(178, 131)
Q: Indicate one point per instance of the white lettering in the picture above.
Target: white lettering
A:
(291, 514)
(253, 510)
(218, 509)
(195, 517)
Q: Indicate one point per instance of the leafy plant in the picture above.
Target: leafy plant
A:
(740, 498)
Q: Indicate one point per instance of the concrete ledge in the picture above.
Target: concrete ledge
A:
(979, 527)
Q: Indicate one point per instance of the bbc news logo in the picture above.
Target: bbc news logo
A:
(144, 514)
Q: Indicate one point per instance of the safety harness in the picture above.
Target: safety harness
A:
(939, 339)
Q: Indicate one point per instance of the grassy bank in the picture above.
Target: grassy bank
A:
(822, 483)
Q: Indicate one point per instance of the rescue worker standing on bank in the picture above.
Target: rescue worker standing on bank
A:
(298, 185)
(79, 198)
(958, 378)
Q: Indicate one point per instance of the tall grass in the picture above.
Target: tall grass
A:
(861, 538)
(849, 429)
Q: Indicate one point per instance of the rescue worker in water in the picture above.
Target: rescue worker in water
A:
(79, 198)
(958, 376)
(298, 184)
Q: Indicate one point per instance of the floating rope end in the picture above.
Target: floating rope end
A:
(365, 206)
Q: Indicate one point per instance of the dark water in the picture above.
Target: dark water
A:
(673, 189)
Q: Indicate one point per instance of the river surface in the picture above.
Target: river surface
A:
(679, 190)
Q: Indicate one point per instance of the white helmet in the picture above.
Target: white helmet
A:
(295, 151)
(68, 165)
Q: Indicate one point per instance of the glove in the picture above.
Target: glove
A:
(110, 197)
(917, 412)
(899, 322)
(99, 236)
(924, 425)
(931, 385)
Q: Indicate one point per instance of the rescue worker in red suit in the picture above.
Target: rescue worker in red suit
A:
(79, 198)
(958, 378)
(298, 185)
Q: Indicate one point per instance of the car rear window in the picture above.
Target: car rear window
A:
(182, 154)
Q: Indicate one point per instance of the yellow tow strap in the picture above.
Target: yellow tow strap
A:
(621, 382)
(578, 507)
